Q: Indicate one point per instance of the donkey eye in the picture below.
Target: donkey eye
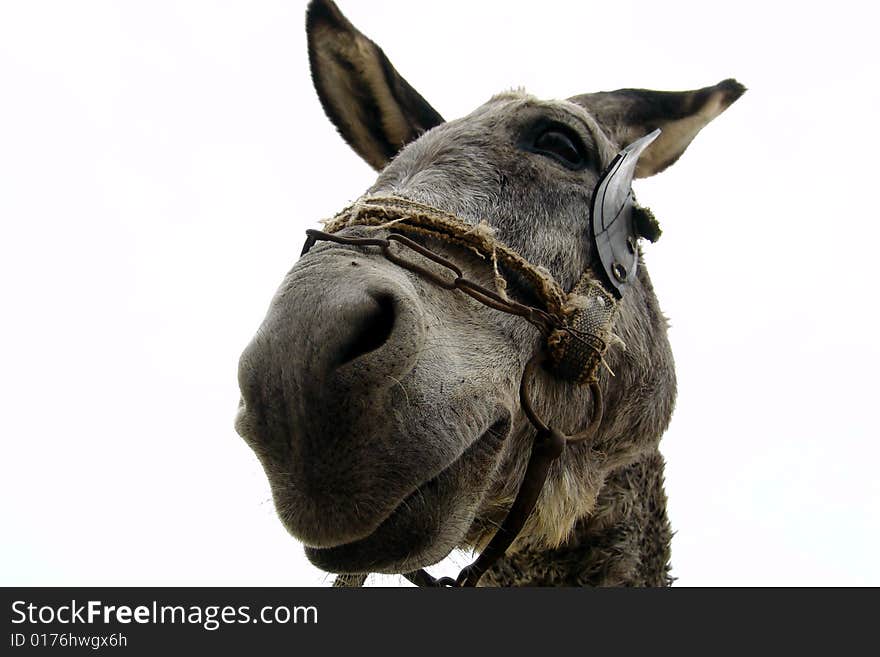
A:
(562, 146)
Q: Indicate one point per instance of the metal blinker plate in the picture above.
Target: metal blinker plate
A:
(612, 216)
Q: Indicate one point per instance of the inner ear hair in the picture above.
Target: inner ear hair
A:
(628, 114)
(372, 106)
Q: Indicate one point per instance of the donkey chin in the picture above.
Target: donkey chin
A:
(427, 524)
(352, 518)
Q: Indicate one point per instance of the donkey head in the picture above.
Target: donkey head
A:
(384, 409)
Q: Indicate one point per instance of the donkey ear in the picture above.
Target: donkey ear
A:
(628, 114)
(375, 110)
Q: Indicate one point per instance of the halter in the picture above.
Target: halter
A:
(576, 326)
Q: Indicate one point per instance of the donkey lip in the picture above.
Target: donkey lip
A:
(418, 532)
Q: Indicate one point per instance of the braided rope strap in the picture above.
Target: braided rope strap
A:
(584, 316)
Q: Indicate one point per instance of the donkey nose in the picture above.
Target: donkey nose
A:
(372, 324)
(336, 338)
(369, 331)
(331, 332)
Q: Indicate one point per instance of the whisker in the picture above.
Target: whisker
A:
(402, 387)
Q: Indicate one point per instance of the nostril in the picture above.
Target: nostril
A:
(371, 329)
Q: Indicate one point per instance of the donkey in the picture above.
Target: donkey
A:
(385, 410)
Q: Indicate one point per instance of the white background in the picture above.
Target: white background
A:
(159, 162)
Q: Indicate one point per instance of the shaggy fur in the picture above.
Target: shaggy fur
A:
(385, 410)
(623, 542)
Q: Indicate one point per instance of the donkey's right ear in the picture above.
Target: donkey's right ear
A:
(375, 110)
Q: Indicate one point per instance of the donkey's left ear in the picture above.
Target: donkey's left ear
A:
(628, 114)
(375, 110)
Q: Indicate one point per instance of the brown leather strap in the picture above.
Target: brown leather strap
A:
(547, 447)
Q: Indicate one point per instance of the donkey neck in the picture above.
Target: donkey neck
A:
(624, 542)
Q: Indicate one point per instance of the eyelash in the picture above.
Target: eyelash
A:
(559, 143)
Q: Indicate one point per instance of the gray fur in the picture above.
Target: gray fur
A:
(388, 460)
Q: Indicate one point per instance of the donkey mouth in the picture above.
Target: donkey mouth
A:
(429, 523)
